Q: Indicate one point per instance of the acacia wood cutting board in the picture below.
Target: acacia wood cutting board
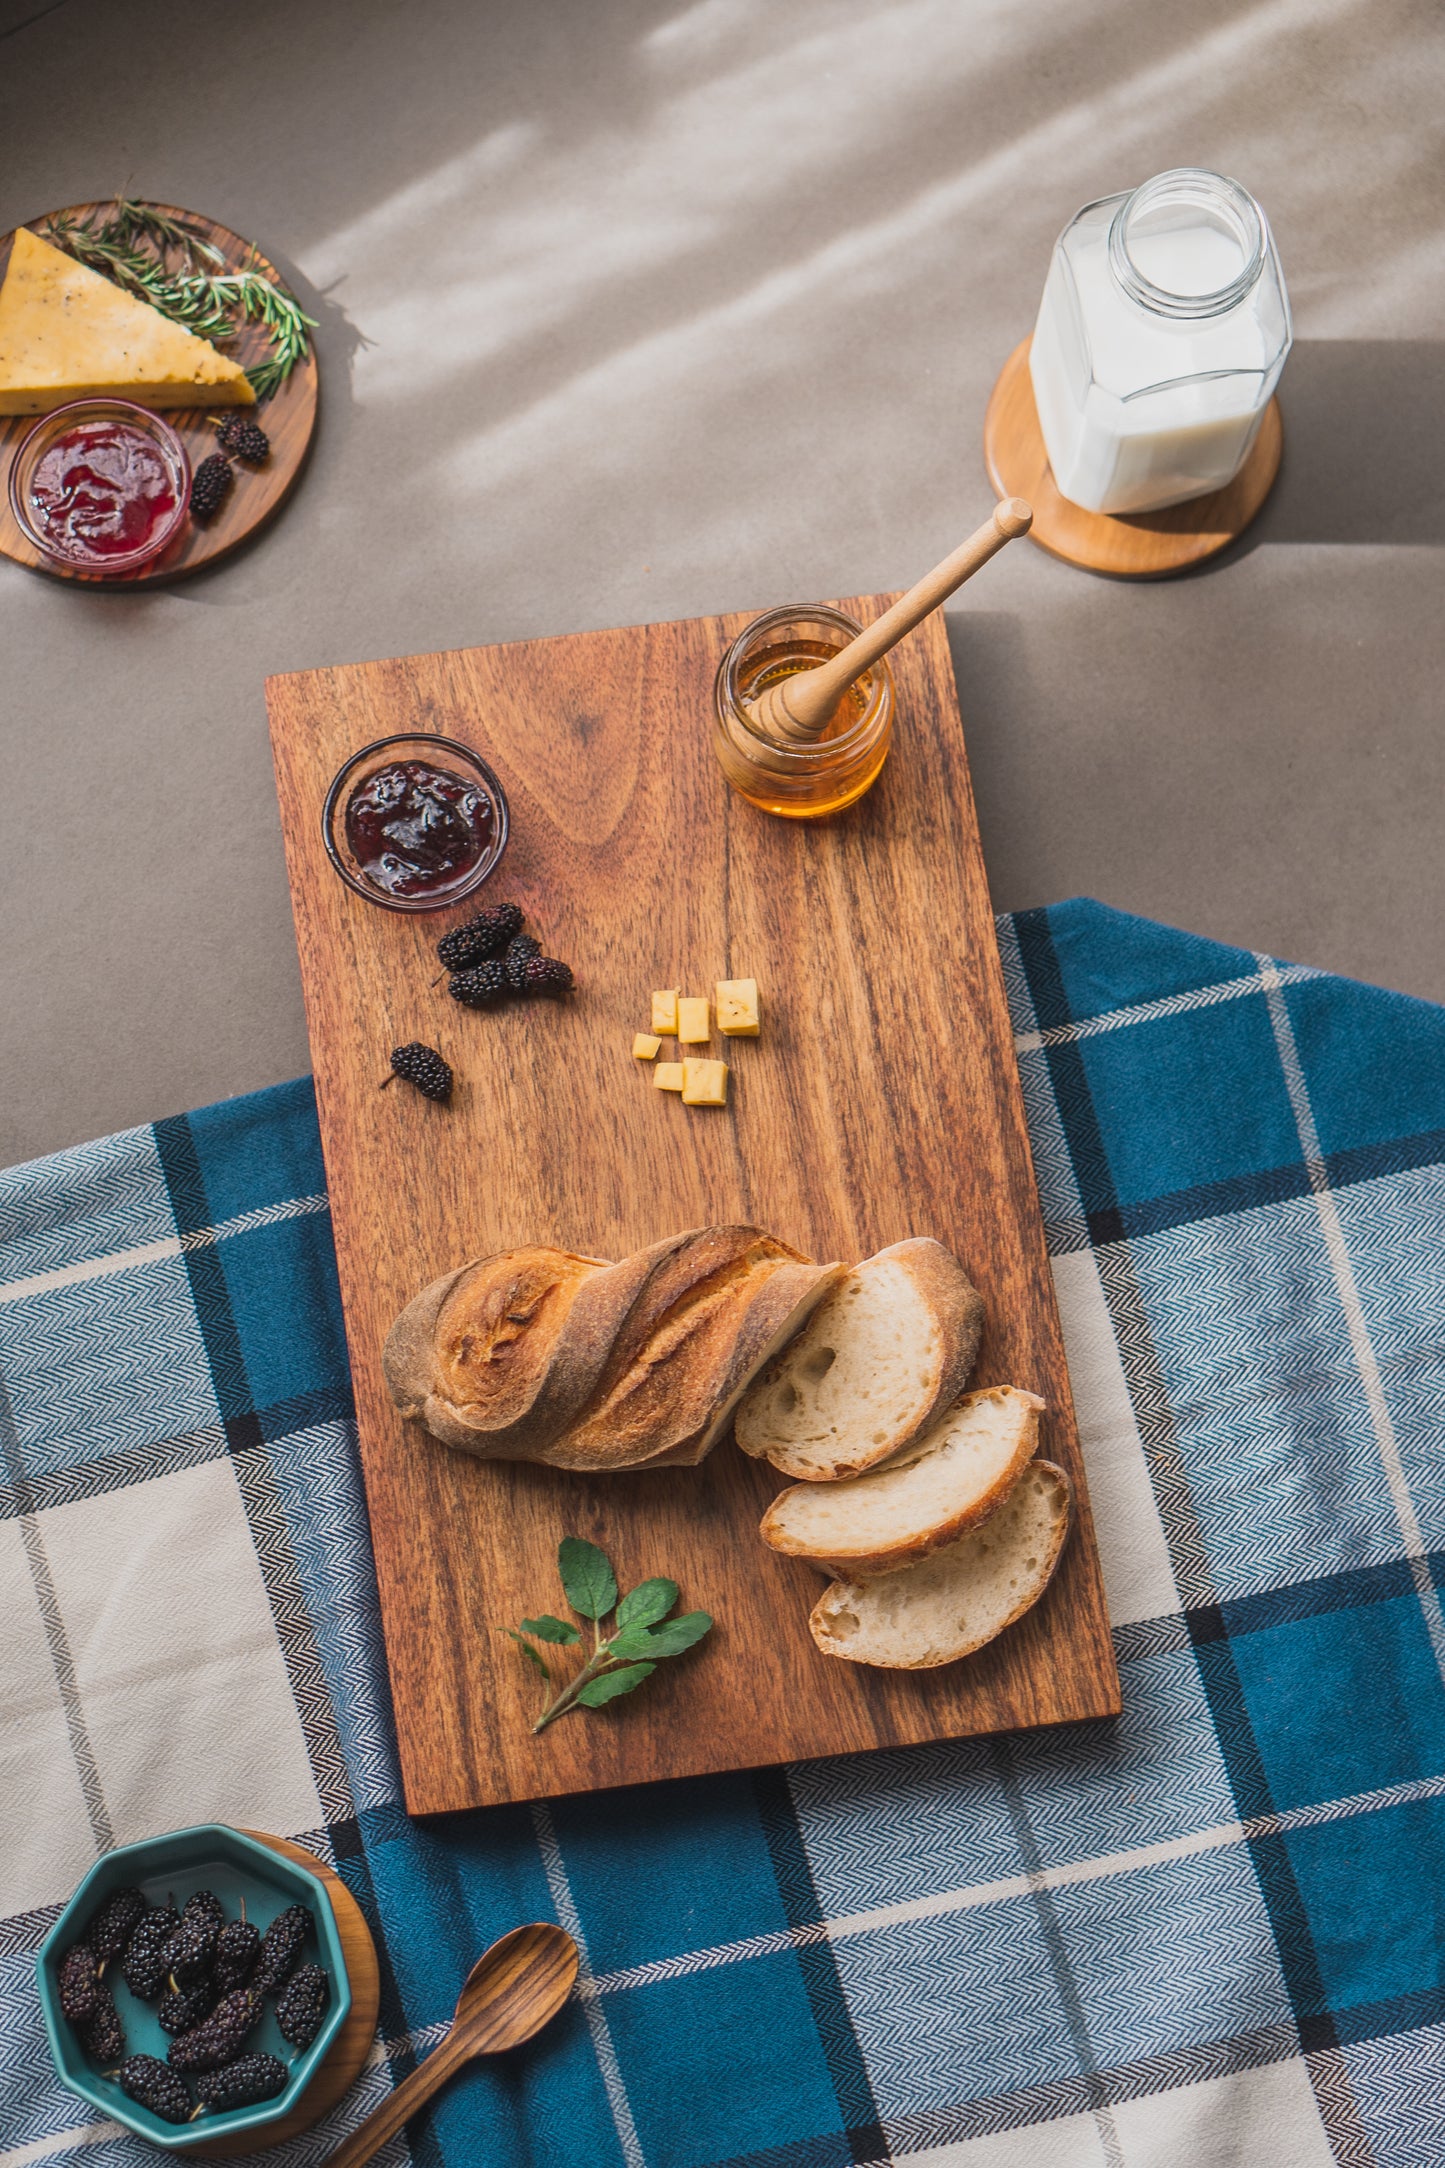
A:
(882, 1100)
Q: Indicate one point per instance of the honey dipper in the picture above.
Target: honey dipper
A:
(798, 709)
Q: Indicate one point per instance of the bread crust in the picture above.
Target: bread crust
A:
(864, 1560)
(957, 1309)
(838, 1594)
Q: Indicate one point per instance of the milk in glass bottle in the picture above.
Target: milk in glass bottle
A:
(1161, 336)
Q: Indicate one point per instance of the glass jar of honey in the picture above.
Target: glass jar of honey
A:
(800, 780)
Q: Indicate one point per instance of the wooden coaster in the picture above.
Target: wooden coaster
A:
(346, 2057)
(257, 494)
(1143, 546)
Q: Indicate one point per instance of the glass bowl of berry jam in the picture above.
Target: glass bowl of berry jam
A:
(100, 486)
(415, 823)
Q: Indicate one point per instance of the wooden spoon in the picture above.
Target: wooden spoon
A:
(509, 1994)
(798, 709)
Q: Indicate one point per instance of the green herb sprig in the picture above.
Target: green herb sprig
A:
(641, 1635)
(178, 271)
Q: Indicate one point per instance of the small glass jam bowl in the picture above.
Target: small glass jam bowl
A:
(72, 555)
(445, 758)
(800, 781)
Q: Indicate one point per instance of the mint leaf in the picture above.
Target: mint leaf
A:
(597, 1692)
(547, 1628)
(587, 1578)
(527, 1650)
(647, 1603)
(669, 1639)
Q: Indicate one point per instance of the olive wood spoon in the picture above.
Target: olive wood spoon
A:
(509, 1994)
(798, 709)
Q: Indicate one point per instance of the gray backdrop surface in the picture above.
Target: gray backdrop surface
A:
(633, 310)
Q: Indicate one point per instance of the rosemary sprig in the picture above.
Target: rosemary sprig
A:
(180, 273)
(639, 1637)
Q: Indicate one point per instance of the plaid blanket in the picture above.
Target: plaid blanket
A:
(1207, 1934)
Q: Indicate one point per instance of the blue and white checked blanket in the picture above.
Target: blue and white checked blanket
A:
(1211, 1935)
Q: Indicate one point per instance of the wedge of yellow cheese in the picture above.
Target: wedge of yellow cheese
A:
(67, 333)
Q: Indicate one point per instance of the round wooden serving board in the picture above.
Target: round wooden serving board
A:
(1144, 546)
(288, 418)
(347, 2055)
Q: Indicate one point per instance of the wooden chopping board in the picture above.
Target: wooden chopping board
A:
(882, 1100)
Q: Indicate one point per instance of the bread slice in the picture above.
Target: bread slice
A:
(950, 1604)
(879, 1363)
(920, 1502)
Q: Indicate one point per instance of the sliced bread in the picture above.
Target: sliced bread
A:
(945, 1484)
(950, 1604)
(882, 1358)
(717, 1307)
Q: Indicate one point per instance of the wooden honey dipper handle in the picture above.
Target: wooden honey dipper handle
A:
(799, 708)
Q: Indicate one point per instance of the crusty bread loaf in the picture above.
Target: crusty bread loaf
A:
(951, 1603)
(881, 1360)
(542, 1354)
(922, 1501)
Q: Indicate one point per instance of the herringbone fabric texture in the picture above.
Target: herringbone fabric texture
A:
(1208, 1934)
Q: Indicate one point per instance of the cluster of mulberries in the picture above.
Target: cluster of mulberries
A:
(208, 1978)
(211, 482)
(487, 960)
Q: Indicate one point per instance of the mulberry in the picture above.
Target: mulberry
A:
(301, 2005)
(211, 485)
(101, 2034)
(142, 1968)
(519, 954)
(184, 2007)
(547, 975)
(480, 986)
(79, 1984)
(222, 2035)
(485, 935)
(416, 1063)
(188, 1952)
(237, 2084)
(281, 1948)
(114, 1924)
(237, 1947)
(244, 439)
(152, 2084)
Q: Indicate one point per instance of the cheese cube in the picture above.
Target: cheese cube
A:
(667, 1076)
(704, 1083)
(644, 1046)
(664, 1012)
(737, 1008)
(693, 1028)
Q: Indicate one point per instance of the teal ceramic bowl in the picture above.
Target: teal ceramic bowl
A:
(173, 1868)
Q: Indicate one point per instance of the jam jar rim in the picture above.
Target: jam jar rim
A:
(804, 757)
(168, 440)
(486, 865)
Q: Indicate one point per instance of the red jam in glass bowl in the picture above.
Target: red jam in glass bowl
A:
(414, 829)
(415, 823)
(100, 486)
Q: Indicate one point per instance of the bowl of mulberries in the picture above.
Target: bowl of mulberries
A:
(192, 1986)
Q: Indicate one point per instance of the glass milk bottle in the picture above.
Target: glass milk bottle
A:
(1161, 335)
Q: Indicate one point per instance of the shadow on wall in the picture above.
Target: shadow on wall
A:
(1364, 444)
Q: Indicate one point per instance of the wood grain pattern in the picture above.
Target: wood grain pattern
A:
(882, 1100)
(288, 418)
(345, 2059)
(1144, 546)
